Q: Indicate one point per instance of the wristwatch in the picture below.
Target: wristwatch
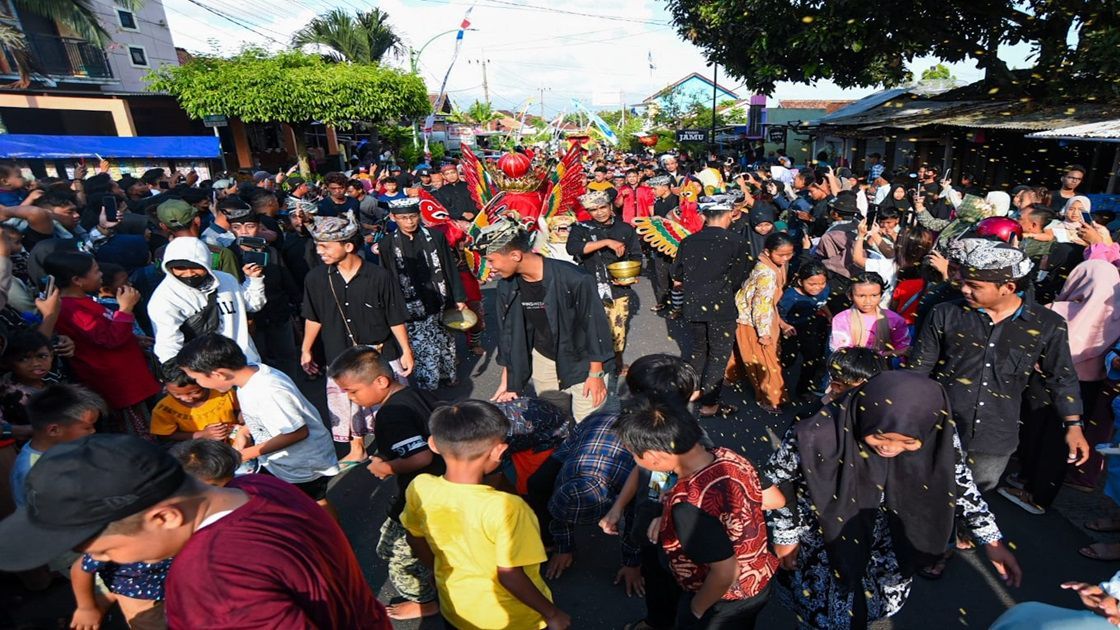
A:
(596, 374)
(5, 430)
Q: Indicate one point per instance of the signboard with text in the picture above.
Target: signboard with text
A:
(692, 135)
(777, 135)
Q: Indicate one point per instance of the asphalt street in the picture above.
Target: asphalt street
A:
(970, 594)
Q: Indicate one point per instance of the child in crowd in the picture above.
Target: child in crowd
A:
(58, 414)
(190, 412)
(287, 434)
(401, 440)
(12, 184)
(711, 527)
(28, 358)
(137, 588)
(760, 326)
(803, 307)
(113, 277)
(849, 368)
(483, 544)
(212, 462)
(866, 324)
(107, 356)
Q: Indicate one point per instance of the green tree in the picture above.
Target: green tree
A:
(77, 15)
(803, 41)
(479, 114)
(364, 37)
(291, 87)
(940, 72)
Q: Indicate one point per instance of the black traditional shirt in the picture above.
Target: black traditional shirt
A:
(368, 307)
(984, 367)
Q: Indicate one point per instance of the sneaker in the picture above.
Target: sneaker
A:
(1019, 498)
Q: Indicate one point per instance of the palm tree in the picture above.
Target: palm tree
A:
(478, 114)
(365, 37)
(77, 15)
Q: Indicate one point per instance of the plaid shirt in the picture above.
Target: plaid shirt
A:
(595, 466)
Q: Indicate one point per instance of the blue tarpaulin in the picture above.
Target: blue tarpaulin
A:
(33, 146)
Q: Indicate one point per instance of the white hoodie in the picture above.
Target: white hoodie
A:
(173, 302)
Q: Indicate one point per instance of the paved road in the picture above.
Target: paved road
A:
(968, 595)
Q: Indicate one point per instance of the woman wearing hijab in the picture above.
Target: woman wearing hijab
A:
(760, 223)
(874, 481)
(1088, 303)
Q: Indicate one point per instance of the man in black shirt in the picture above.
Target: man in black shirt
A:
(983, 350)
(337, 204)
(348, 302)
(600, 242)
(421, 262)
(710, 267)
(664, 202)
(551, 324)
(454, 195)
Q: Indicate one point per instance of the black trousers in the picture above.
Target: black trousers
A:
(712, 343)
(723, 615)
(662, 591)
(810, 347)
(1042, 448)
(659, 276)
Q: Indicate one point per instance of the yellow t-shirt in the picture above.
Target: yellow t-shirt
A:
(473, 530)
(170, 415)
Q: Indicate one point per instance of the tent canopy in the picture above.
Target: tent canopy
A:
(33, 146)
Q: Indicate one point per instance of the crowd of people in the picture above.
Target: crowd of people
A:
(159, 335)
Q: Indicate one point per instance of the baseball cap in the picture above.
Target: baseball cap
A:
(76, 489)
(176, 213)
(295, 181)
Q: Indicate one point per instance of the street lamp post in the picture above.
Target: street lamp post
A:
(414, 62)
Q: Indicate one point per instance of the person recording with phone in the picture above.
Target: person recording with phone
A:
(272, 323)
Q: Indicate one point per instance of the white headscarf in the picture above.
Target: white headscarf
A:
(1000, 201)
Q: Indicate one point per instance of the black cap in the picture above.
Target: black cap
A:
(76, 489)
(844, 204)
(295, 181)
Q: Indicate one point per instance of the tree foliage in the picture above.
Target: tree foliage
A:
(939, 72)
(859, 43)
(365, 37)
(479, 114)
(291, 87)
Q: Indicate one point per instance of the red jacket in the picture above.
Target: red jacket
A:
(107, 356)
(636, 201)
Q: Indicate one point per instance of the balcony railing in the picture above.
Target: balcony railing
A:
(64, 57)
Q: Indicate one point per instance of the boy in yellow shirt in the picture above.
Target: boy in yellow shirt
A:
(190, 412)
(483, 544)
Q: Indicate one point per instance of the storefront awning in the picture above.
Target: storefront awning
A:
(34, 146)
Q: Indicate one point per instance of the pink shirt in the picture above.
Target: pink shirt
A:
(842, 335)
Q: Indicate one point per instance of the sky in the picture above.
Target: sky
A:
(594, 51)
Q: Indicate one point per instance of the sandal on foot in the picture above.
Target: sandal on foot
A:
(1104, 525)
(1023, 499)
(347, 464)
(1105, 552)
(937, 569)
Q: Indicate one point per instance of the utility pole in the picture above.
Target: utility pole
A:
(485, 84)
(542, 103)
(715, 76)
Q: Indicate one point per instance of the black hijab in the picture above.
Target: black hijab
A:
(761, 212)
(846, 478)
(903, 205)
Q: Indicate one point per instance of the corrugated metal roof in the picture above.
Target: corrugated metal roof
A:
(862, 105)
(1105, 131)
(1008, 115)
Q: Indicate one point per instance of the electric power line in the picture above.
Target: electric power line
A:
(235, 21)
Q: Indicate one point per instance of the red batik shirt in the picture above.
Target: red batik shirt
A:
(727, 495)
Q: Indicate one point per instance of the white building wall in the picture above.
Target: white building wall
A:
(151, 35)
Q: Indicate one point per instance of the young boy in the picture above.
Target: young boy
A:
(190, 412)
(483, 544)
(212, 462)
(401, 435)
(58, 414)
(288, 435)
(712, 528)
